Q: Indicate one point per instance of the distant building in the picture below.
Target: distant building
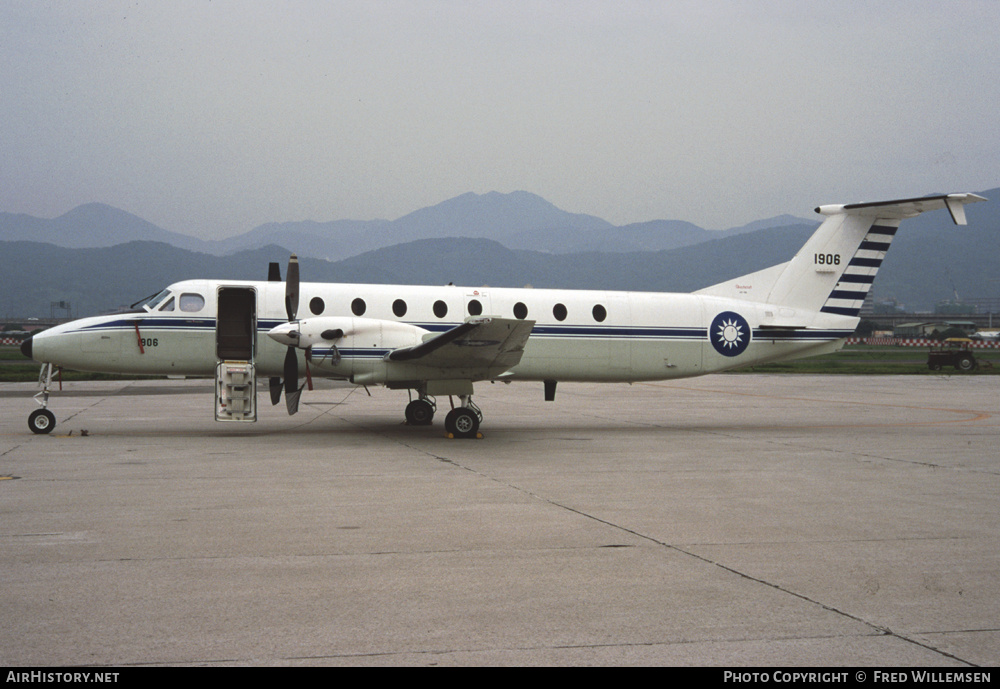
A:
(887, 306)
(914, 329)
(954, 308)
(926, 329)
(968, 326)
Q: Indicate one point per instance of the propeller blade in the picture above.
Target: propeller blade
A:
(292, 288)
(274, 387)
(292, 389)
(273, 272)
(291, 370)
(292, 400)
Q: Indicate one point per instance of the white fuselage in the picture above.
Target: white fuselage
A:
(579, 335)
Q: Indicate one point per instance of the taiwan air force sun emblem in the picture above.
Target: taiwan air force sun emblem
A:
(729, 333)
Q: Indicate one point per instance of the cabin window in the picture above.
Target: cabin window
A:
(358, 307)
(168, 305)
(399, 308)
(559, 311)
(440, 309)
(475, 308)
(600, 313)
(520, 311)
(192, 302)
(317, 306)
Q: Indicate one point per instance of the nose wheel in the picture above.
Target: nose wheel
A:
(42, 420)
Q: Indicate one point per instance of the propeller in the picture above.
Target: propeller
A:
(290, 368)
(290, 334)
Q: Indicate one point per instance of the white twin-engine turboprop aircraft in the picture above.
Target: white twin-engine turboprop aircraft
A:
(439, 341)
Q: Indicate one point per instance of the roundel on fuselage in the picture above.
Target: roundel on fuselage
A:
(729, 333)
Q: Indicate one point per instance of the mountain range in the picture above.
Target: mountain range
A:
(519, 220)
(100, 258)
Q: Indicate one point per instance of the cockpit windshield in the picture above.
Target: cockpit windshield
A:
(149, 303)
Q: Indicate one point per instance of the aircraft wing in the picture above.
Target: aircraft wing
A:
(479, 343)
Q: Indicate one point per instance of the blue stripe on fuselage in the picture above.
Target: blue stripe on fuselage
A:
(541, 331)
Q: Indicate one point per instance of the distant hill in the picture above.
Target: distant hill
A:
(519, 220)
(98, 280)
(95, 280)
(32, 275)
(92, 225)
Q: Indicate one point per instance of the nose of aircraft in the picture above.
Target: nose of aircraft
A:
(26, 347)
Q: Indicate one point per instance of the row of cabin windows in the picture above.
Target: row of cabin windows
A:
(195, 302)
(359, 307)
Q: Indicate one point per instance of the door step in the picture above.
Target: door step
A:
(235, 391)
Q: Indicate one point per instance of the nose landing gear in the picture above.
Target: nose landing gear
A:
(42, 420)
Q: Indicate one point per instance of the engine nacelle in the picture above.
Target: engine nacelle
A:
(329, 337)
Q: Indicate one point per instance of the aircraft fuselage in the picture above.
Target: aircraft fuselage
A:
(578, 335)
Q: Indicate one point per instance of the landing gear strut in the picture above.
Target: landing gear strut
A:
(42, 420)
(463, 421)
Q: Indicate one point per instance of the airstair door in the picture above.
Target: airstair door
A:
(235, 347)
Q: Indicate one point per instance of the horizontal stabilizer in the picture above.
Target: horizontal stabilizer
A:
(906, 208)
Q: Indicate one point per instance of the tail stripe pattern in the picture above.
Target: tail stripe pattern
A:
(852, 288)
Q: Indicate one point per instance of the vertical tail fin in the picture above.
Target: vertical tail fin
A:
(854, 283)
(834, 271)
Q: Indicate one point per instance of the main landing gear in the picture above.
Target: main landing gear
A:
(461, 422)
(42, 420)
(420, 412)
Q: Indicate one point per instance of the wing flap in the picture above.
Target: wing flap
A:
(480, 343)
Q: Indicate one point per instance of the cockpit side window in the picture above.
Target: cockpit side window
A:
(168, 305)
(191, 302)
(149, 303)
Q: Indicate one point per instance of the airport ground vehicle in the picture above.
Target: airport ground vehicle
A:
(955, 351)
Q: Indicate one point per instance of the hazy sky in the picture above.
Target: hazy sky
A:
(212, 117)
